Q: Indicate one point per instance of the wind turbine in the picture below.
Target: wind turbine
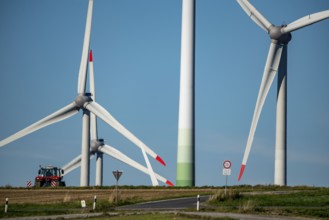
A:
(186, 141)
(84, 102)
(276, 62)
(98, 147)
(111, 151)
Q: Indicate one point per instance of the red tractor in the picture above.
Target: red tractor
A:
(49, 176)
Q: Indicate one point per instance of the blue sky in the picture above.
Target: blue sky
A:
(136, 46)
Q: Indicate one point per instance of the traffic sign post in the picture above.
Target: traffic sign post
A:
(117, 174)
(226, 171)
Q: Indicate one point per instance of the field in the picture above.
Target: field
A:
(265, 200)
(55, 201)
(63, 195)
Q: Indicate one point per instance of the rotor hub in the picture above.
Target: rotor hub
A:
(277, 35)
(95, 144)
(81, 99)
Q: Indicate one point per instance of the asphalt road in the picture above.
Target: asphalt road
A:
(181, 203)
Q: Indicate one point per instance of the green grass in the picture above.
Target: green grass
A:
(18, 210)
(306, 203)
(15, 210)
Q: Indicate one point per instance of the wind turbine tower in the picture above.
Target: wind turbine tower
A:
(186, 144)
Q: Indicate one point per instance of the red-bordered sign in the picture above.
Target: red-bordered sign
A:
(227, 164)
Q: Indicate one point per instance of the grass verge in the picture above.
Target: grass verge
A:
(304, 203)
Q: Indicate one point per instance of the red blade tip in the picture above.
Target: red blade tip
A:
(160, 160)
(241, 171)
(169, 183)
(91, 56)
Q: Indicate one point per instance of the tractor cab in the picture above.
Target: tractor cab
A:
(49, 176)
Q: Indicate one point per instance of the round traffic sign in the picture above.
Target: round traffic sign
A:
(227, 164)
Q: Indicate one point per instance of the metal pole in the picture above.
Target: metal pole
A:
(225, 185)
(117, 175)
(116, 195)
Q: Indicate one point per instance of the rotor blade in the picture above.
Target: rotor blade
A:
(92, 76)
(85, 48)
(59, 115)
(271, 67)
(93, 119)
(255, 15)
(73, 164)
(120, 156)
(150, 169)
(100, 112)
(305, 21)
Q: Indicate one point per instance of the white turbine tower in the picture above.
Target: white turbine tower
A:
(95, 142)
(186, 149)
(84, 102)
(276, 61)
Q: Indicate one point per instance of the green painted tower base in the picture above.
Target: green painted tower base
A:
(185, 174)
(185, 158)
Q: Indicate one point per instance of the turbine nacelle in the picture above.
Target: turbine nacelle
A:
(276, 34)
